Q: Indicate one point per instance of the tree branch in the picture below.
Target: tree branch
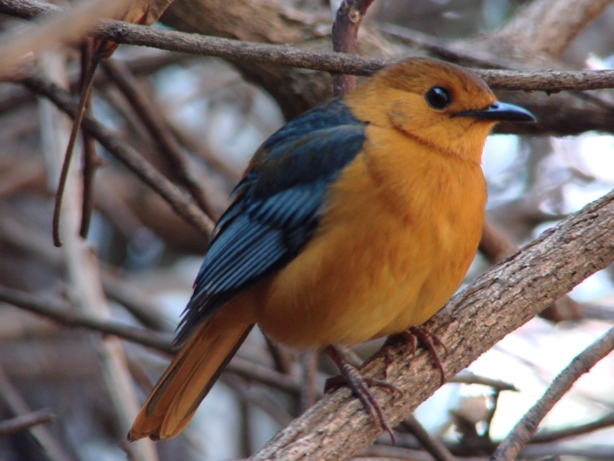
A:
(521, 434)
(581, 429)
(498, 302)
(345, 37)
(183, 206)
(437, 449)
(132, 34)
(62, 313)
(12, 400)
(158, 130)
(547, 27)
(23, 422)
(70, 27)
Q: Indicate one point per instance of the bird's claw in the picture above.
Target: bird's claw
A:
(429, 340)
(359, 384)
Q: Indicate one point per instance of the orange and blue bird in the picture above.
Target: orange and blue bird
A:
(354, 221)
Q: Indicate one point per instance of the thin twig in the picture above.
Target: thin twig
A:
(193, 144)
(62, 313)
(282, 360)
(433, 446)
(30, 240)
(526, 427)
(495, 243)
(469, 378)
(23, 422)
(84, 97)
(138, 65)
(91, 162)
(83, 274)
(158, 130)
(581, 429)
(16, 405)
(556, 451)
(442, 49)
(597, 312)
(135, 301)
(250, 370)
(125, 153)
(257, 397)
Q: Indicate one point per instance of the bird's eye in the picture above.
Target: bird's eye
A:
(438, 98)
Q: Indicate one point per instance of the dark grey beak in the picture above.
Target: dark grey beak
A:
(500, 111)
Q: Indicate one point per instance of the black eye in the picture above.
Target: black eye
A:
(438, 98)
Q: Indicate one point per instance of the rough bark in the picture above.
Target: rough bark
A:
(504, 298)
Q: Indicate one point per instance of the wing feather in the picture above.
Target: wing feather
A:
(276, 207)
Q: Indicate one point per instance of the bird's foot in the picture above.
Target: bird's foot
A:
(359, 384)
(430, 341)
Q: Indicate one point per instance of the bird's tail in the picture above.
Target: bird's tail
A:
(189, 378)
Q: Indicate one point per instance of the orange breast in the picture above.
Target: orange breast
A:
(400, 230)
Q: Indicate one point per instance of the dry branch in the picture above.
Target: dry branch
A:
(183, 206)
(546, 27)
(64, 314)
(282, 55)
(296, 92)
(54, 31)
(501, 300)
(82, 270)
(16, 405)
(345, 38)
(521, 434)
(23, 422)
(158, 130)
(553, 435)
(433, 446)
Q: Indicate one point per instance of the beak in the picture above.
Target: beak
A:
(500, 111)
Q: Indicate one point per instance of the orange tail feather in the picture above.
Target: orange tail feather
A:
(189, 378)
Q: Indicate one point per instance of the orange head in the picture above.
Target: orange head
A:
(442, 105)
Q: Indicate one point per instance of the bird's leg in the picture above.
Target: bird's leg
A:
(351, 376)
(429, 340)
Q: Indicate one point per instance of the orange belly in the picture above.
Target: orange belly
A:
(386, 260)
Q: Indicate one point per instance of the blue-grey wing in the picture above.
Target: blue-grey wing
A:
(276, 207)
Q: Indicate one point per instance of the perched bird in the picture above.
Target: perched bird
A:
(355, 221)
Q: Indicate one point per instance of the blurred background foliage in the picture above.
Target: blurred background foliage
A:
(219, 113)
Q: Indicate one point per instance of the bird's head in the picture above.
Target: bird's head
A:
(436, 103)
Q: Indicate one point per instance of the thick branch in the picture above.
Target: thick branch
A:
(548, 26)
(498, 302)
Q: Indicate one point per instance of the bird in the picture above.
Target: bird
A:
(356, 220)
